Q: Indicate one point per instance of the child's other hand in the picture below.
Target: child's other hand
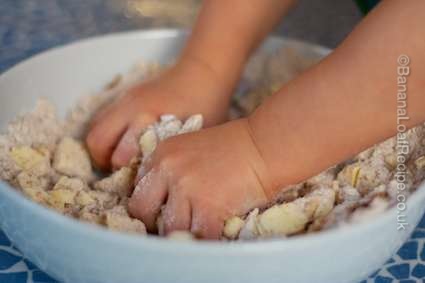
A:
(188, 88)
(202, 178)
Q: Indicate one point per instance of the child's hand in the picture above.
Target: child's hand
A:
(202, 179)
(186, 89)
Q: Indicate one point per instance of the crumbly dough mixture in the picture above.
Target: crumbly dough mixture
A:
(45, 158)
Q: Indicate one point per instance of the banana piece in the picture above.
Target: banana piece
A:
(148, 142)
(232, 227)
(283, 219)
(73, 160)
(192, 124)
(120, 182)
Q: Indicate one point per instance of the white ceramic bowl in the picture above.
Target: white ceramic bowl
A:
(76, 252)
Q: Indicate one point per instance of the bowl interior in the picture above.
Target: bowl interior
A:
(64, 74)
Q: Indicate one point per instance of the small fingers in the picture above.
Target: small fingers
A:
(105, 134)
(176, 214)
(128, 147)
(206, 224)
(148, 197)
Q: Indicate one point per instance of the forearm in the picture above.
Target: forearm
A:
(347, 102)
(226, 32)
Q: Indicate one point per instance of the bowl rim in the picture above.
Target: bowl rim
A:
(219, 248)
(150, 33)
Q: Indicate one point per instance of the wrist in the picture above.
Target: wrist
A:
(276, 151)
(191, 71)
(261, 166)
(220, 77)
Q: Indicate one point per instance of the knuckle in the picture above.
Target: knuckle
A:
(182, 185)
(168, 162)
(178, 188)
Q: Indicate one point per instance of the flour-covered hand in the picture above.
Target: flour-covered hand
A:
(198, 180)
